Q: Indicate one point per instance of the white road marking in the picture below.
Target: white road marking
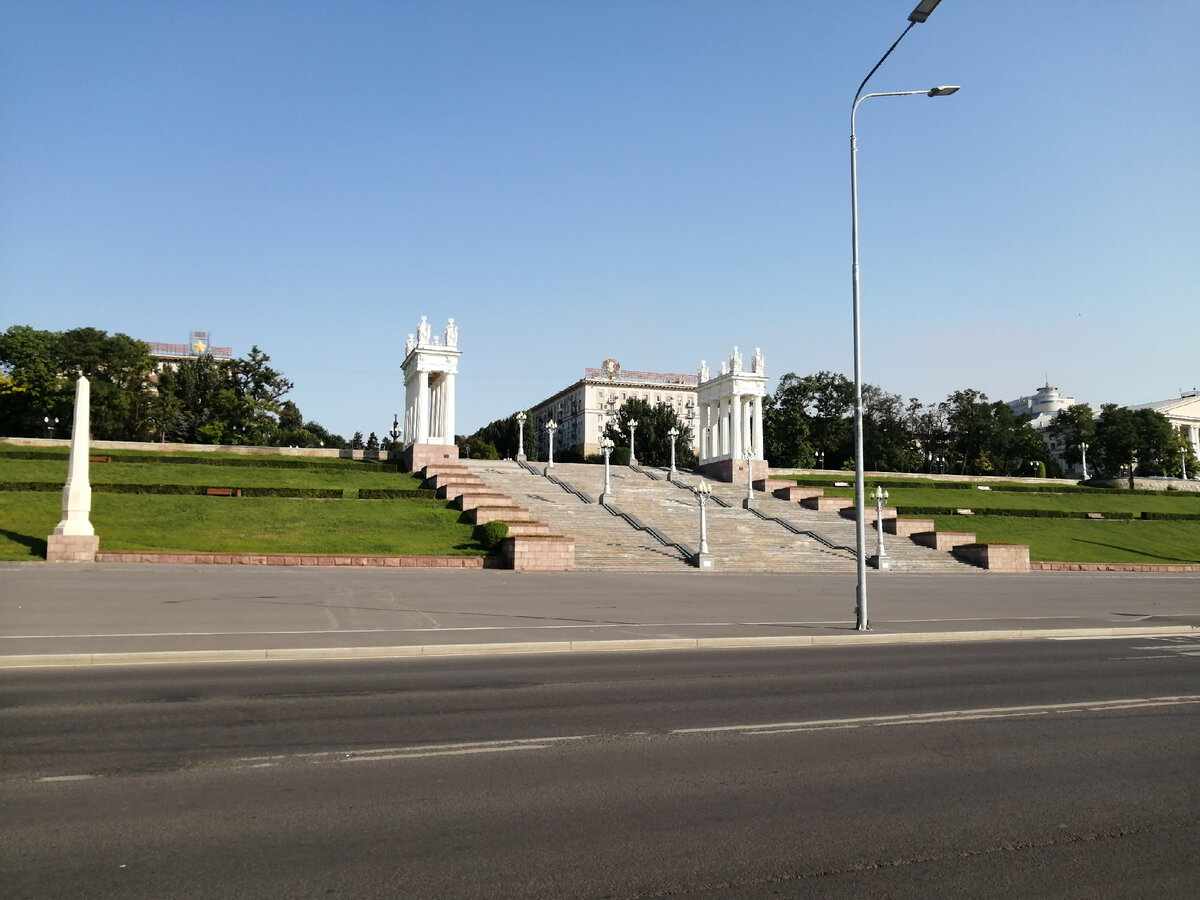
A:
(467, 748)
(956, 715)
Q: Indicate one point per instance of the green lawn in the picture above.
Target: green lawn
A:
(351, 476)
(242, 525)
(228, 524)
(1083, 540)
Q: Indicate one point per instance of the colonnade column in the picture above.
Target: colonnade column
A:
(735, 432)
(422, 407)
(759, 450)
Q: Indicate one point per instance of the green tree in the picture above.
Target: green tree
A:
(652, 442)
(34, 387)
(1073, 426)
(1124, 435)
(786, 441)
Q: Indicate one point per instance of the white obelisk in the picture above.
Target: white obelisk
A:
(74, 538)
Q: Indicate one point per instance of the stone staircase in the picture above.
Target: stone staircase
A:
(739, 540)
(602, 540)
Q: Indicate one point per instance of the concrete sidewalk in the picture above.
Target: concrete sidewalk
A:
(89, 614)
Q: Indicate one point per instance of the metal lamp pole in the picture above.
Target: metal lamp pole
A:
(673, 433)
(551, 427)
(521, 417)
(748, 456)
(1083, 452)
(632, 431)
(918, 15)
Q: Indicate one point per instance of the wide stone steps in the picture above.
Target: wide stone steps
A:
(738, 539)
(602, 540)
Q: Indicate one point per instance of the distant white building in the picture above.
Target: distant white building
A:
(1183, 413)
(582, 410)
(1044, 407)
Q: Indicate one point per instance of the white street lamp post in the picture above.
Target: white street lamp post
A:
(673, 433)
(606, 445)
(1083, 452)
(703, 560)
(521, 417)
(880, 496)
(918, 15)
(632, 431)
(551, 427)
(1183, 462)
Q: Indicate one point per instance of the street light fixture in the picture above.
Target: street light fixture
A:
(880, 496)
(1083, 452)
(521, 417)
(395, 430)
(632, 431)
(606, 446)
(551, 427)
(703, 560)
(673, 433)
(918, 15)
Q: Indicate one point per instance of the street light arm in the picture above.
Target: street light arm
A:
(895, 44)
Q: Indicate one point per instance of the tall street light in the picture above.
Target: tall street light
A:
(521, 417)
(673, 433)
(606, 445)
(551, 427)
(632, 431)
(918, 15)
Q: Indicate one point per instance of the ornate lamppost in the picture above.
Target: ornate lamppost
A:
(703, 560)
(551, 427)
(606, 445)
(395, 430)
(51, 424)
(881, 561)
(632, 431)
(1083, 452)
(820, 459)
(1183, 462)
(673, 433)
(521, 417)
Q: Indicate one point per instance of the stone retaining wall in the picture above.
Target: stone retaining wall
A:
(539, 552)
(299, 559)
(1112, 567)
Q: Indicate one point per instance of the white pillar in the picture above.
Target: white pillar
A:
(422, 408)
(77, 492)
(735, 431)
(448, 409)
(759, 449)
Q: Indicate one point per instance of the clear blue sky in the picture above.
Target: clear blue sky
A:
(653, 180)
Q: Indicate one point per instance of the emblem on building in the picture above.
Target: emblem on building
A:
(611, 367)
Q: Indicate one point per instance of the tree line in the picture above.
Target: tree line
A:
(194, 400)
(808, 422)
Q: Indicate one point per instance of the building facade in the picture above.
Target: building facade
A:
(583, 409)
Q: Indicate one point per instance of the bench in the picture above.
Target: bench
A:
(99, 459)
(223, 492)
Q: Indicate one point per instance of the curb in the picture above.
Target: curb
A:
(162, 657)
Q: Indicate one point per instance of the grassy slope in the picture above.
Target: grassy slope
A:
(1062, 540)
(250, 525)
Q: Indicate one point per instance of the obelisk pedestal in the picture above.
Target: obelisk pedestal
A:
(74, 539)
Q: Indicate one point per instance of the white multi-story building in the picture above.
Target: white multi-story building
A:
(1183, 413)
(582, 410)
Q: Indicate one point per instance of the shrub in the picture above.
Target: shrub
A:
(489, 534)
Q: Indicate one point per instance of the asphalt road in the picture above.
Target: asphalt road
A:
(1048, 769)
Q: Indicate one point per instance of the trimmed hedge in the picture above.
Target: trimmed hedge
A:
(185, 490)
(249, 461)
(489, 534)
(390, 494)
(1016, 513)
